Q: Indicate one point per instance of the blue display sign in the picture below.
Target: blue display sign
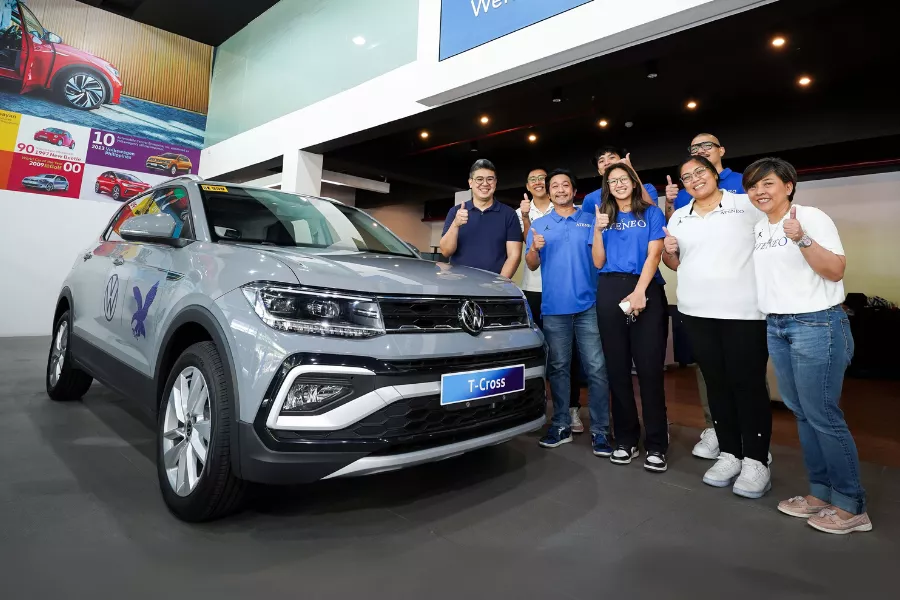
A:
(475, 385)
(466, 24)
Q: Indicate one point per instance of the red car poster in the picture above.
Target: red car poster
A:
(46, 176)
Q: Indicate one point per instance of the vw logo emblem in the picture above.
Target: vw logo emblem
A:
(471, 317)
(111, 297)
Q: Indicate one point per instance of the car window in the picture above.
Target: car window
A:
(32, 25)
(11, 33)
(173, 201)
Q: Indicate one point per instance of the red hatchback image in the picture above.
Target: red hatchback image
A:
(57, 137)
(119, 185)
(38, 58)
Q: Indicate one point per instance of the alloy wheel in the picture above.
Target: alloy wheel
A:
(58, 354)
(186, 431)
(84, 91)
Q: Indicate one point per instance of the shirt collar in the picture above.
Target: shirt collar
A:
(725, 173)
(495, 206)
(691, 212)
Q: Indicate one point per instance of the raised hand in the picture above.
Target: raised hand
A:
(462, 216)
(670, 243)
(537, 242)
(627, 160)
(792, 228)
(671, 189)
(601, 220)
(525, 206)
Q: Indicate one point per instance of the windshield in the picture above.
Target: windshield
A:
(282, 219)
(32, 24)
(127, 177)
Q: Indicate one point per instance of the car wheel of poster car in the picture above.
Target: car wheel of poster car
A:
(96, 187)
(82, 90)
(174, 170)
(116, 193)
(59, 142)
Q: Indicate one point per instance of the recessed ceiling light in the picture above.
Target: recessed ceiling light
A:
(603, 123)
(557, 95)
(778, 42)
(424, 135)
(359, 40)
(485, 120)
(692, 105)
(804, 80)
(532, 138)
(629, 124)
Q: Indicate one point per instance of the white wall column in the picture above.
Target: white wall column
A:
(302, 172)
(463, 196)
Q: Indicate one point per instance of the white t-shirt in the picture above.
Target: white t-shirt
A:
(531, 280)
(715, 274)
(786, 283)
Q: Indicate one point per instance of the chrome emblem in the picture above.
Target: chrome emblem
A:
(111, 297)
(471, 317)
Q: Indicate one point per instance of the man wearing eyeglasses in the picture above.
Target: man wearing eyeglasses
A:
(482, 232)
(706, 145)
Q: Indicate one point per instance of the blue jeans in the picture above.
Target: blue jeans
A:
(559, 331)
(811, 351)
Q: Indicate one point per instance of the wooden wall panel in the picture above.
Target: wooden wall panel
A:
(155, 65)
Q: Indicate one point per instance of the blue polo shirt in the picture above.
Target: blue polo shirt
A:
(728, 180)
(594, 199)
(626, 241)
(481, 242)
(569, 278)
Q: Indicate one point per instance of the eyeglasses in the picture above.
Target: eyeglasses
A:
(619, 180)
(689, 177)
(537, 179)
(696, 148)
(482, 180)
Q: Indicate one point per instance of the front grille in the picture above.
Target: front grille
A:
(422, 422)
(450, 364)
(415, 315)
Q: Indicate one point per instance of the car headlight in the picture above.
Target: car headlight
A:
(314, 312)
(114, 71)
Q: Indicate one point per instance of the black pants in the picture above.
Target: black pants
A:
(732, 355)
(534, 301)
(643, 342)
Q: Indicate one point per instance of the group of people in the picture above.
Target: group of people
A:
(758, 276)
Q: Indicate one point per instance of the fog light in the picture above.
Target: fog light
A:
(305, 397)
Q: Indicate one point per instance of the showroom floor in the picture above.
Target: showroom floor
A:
(80, 516)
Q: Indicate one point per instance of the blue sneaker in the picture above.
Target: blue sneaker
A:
(601, 445)
(556, 436)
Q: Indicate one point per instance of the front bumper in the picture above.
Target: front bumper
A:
(157, 166)
(391, 420)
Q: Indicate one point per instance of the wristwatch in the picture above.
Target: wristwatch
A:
(805, 241)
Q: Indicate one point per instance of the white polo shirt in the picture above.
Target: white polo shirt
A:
(787, 285)
(531, 280)
(716, 279)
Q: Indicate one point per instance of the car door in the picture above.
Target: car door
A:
(152, 284)
(39, 54)
(13, 48)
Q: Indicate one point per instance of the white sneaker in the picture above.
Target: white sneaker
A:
(577, 425)
(754, 481)
(724, 472)
(708, 446)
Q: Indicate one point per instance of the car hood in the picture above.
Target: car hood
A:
(85, 56)
(386, 274)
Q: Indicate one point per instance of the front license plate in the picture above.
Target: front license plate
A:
(472, 386)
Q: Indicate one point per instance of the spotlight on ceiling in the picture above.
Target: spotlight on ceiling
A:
(603, 123)
(692, 105)
(532, 138)
(557, 95)
(359, 40)
(473, 147)
(629, 124)
(778, 42)
(424, 135)
(804, 81)
(652, 70)
(485, 120)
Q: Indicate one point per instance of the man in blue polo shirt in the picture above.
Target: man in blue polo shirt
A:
(603, 158)
(560, 243)
(706, 145)
(482, 232)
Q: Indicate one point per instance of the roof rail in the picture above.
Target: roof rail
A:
(189, 176)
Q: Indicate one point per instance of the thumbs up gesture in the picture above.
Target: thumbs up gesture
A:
(525, 205)
(670, 243)
(462, 216)
(671, 189)
(792, 228)
(601, 220)
(537, 241)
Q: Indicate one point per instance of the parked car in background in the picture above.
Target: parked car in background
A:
(119, 185)
(288, 339)
(48, 183)
(39, 60)
(171, 163)
(57, 137)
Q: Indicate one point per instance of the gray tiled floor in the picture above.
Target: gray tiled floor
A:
(80, 516)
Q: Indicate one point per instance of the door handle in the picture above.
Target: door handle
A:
(119, 261)
(87, 256)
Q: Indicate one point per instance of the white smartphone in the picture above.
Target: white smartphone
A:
(625, 306)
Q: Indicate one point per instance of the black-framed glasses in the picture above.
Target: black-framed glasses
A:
(619, 180)
(482, 180)
(537, 179)
(696, 148)
(697, 173)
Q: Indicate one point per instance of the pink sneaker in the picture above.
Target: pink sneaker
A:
(827, 520)
(799, 507)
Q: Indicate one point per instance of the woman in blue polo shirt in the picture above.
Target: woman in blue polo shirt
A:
(627, 253)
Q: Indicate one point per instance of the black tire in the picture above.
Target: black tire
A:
(116, 192)
(97, 188)
(218, 492)
(72, 146)
(174, 170)
(59, 143)
(97, 92)
(72, 383)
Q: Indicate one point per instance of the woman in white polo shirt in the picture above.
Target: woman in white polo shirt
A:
(799, 263)
(710, 243)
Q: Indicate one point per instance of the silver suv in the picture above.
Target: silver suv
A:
(287, 339)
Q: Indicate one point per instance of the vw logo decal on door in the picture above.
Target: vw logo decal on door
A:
(111, 297)
(471, 317)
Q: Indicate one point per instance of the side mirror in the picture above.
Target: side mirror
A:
(154, 229)
(53, 38)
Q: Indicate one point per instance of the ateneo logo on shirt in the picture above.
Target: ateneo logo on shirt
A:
(623, 225)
